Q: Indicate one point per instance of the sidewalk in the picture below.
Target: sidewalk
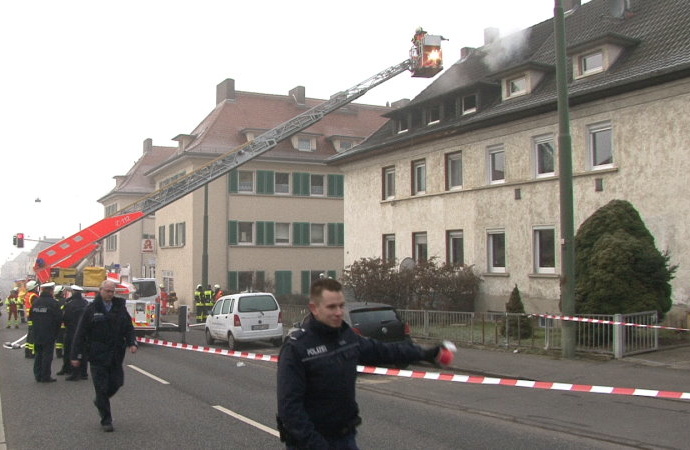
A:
(662, 370)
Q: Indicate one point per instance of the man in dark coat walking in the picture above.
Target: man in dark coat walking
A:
(103, 335)
(46, 317)
(73, 311)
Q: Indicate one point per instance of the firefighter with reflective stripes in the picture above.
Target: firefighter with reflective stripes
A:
(199, 303)
(29, 297)
(12, 303)
(58, 294)
(208, 301)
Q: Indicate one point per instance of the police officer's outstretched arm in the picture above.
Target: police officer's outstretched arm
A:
(296, 427)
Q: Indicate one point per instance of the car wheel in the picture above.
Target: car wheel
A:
(232, 345)
(277, 342)
(209, 339)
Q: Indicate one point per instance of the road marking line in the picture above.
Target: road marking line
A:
(150, 375)
(248, 421)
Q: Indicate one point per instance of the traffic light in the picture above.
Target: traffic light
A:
(20, 240)
(14, 240)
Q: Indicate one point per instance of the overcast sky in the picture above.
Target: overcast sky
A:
(83, 83)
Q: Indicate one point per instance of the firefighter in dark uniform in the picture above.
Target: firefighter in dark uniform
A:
(29, 297)
(58, 294)
(104, 333)
(317, 370)
(46, 317)
(73, 312)
(199, 303)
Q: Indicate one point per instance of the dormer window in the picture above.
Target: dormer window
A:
(433, 115)
(403, 124)
(469, 104)
(344, 145)
(516, 86)
(591, 63)
(304, 143)
(599, 54)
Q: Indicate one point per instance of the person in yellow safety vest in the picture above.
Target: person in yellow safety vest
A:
(209, 302)
(218, 292)
(59, 295)
(29, 297)
(199, 303)
(12, 303)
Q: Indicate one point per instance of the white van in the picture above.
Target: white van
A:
(147, 290)
(245, 317)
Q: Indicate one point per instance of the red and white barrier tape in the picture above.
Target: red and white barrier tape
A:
(606, 322)
(447, 376)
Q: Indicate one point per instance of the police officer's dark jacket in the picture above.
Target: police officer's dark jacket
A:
(46, 315)
(102, 336)
(72, 313)
(317, 371)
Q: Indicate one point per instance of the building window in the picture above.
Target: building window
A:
(180, 234)
(245, 181)
(455, 247)
(433, 114)
(516, 86)
(591, 63)
(497, 165)
(245, 233)
(304, 144)
(403, 124)
(389, 248)
(245, 281)
(111, 243)
(344, 145)
(110, 210)
(454, 170)
(419, 246)
(317, 234)
(600, 146)
(316, 185)
(282, 233)
(544, 156)
(418, 177)
(161, 236)
(496, 248)
(544, 250)
(469, 104)
(388, 183)
(282, 183)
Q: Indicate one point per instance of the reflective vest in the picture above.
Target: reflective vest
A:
(28, 301)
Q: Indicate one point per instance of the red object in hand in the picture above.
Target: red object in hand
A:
(446, 354)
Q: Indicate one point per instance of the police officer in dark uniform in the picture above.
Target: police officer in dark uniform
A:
(70, 318)
(105, 330)
(317, 370)
(46, 317)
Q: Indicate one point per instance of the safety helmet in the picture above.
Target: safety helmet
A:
(58, 289)
(31, 285)
(198, 286)
(162, 286)
(15, 288)
(216, 286)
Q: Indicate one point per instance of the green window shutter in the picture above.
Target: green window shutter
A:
(331, 274)
(232, 232)
(296, 183)
(301, 184)
(336, 185)
(283, 282)
(341, 234)
(332, 234)
(300, 233)
(265, 182)
(260, 233)
(233, 181)
(336, 234)
(306, 282)
(270, 238)
(232, 281)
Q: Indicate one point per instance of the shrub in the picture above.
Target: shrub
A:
(516, 326)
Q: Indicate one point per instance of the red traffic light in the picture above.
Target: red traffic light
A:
(20, 240)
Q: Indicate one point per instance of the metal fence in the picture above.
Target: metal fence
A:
(510, 330)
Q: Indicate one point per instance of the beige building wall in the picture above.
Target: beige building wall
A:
(650, 157)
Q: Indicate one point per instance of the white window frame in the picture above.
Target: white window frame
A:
(245, 181)
(276, 184)
(454, 235)
(246, 239)
(305, 144)
(389, 183)
(490, 154)
(388, 241)
(592, 132)
(453, 160)
(420, 240)
(536, 249)
(312, 234)
(111, 243)
(403, 125)
(469, 110)
(584, 58)
(313, 189)
(491, 237)
(515, 82)
(419, 177)
(433, 114)
(538, 143)
(281, 240)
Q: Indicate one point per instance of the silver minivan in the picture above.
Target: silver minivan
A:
(245, 317)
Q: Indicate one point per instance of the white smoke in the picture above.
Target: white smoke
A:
(502, 50)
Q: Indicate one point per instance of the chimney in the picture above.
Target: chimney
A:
(148, 145)
(297, 94)
(569, 5)
(225, 90)
(465, 52)
(490, 35)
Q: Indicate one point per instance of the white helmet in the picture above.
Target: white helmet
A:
(31, 285)
(217, 286)
(58, 289)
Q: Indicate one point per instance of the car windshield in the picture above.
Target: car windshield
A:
(373, 316)
(257, 303)
(145, 288)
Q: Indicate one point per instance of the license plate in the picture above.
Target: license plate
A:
(263, 326)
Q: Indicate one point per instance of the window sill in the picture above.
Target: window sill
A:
(496, 274)
(544, 275)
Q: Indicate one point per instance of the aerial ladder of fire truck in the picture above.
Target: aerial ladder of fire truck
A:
(425, 61)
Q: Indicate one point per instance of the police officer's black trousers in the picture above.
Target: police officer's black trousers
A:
(43, 361)
(106, 381)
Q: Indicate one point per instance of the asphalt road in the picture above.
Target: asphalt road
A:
(175, 398)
